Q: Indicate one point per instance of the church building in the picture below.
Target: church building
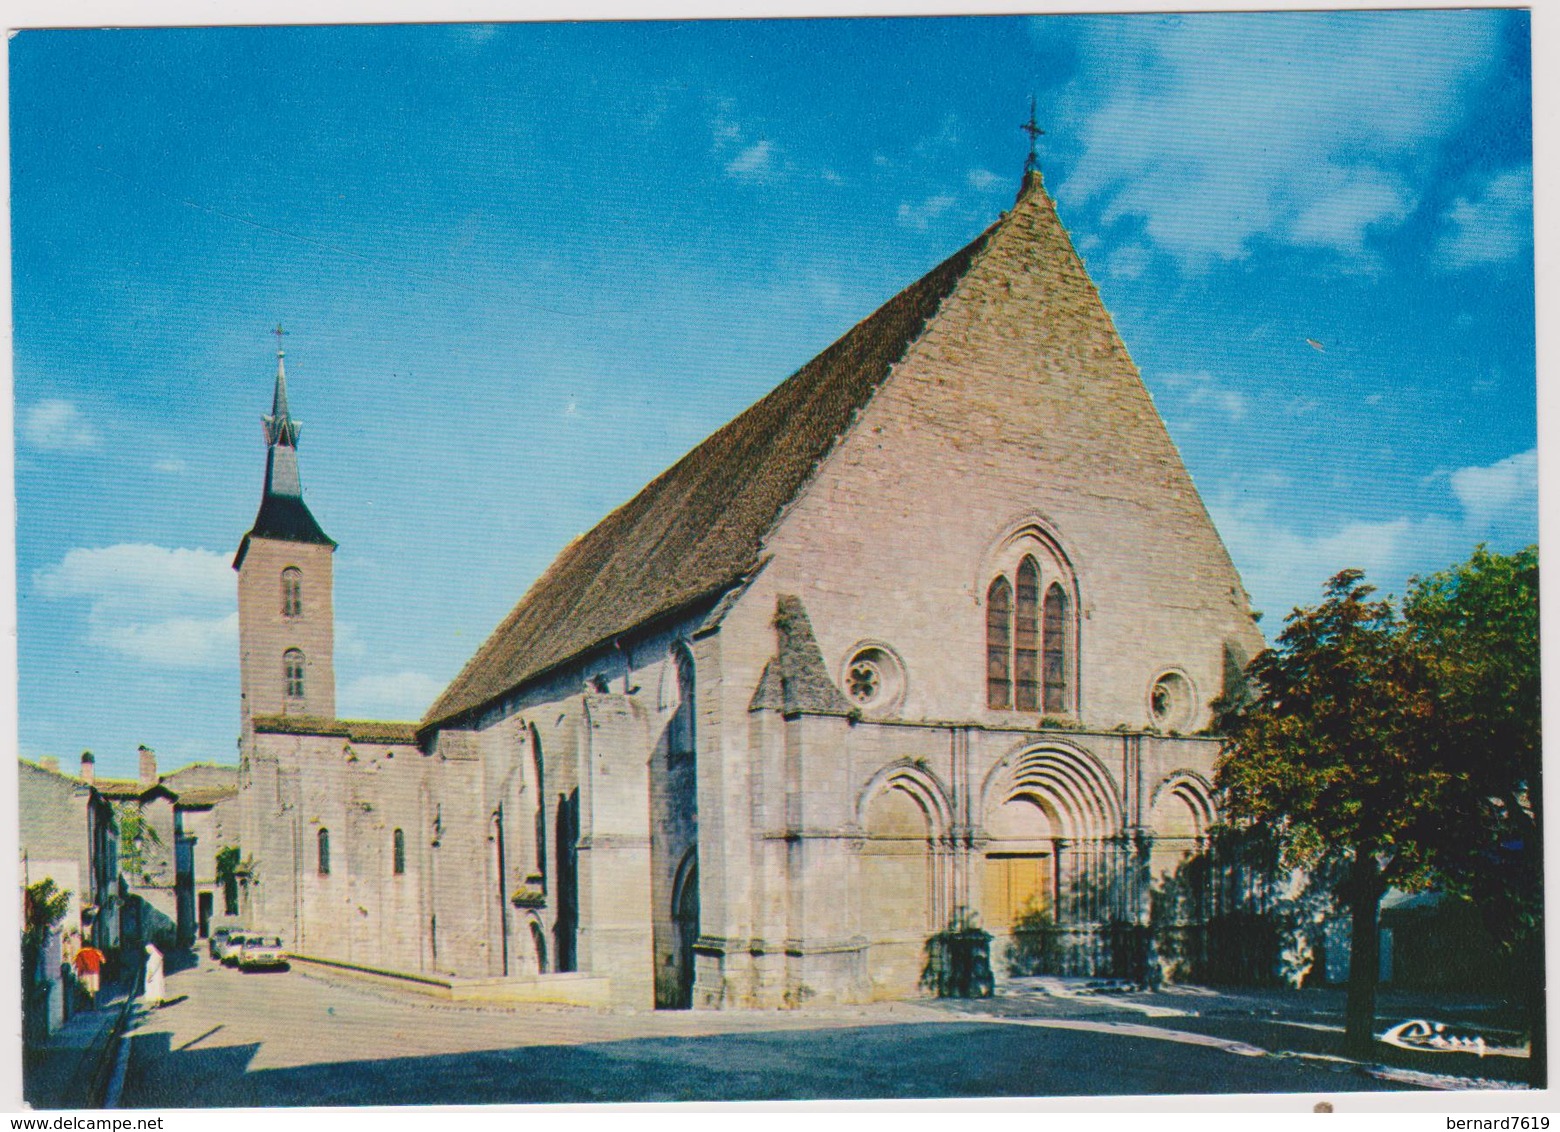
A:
(931, 630)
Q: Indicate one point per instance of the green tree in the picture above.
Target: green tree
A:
(1327, 756)
(44, 905)
(1475, 628)
(137, 838)
(228, 864)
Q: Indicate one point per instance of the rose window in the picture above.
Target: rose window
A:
(864, 682)
(873, 678)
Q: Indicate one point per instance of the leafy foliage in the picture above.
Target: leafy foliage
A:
(1476, 628)
(1327, 753)
(137, 838)
(1409, 747)
(1035, 948)
(45, 906)
(958, 959)
(229, 864)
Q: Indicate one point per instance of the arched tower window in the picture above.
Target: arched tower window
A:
(999, 641)
(680, 731)
(323, 838)
(1056, 661)
(292, 592)
(1026, 637)
(398, 852)
(292, 673)
(538, 768)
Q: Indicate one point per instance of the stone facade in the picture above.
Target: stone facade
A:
(961, 666)
(68, 834)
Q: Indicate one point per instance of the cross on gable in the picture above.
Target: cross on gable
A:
(1032, 128)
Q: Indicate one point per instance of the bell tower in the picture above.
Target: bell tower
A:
(286, 633)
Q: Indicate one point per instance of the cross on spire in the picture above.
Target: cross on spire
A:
(1032, 128)
(279, 332)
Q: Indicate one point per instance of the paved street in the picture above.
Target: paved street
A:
(294, 1038)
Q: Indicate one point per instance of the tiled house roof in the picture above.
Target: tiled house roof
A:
(355, 730)
(698, 528)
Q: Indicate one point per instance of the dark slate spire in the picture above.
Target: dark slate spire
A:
(280, 428)
(283, 515)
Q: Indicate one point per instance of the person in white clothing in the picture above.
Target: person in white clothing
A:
(156, 988)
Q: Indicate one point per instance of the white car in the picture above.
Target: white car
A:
(232, 945)
(258, 952)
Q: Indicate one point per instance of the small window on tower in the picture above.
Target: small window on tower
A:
(292, 673)
(398, 847)
(292, 592)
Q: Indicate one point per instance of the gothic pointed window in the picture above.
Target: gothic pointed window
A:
(323, 841)
(1026, 637)
(680, 745)
(292, 673)
(1056, 658)
(398, 852)
(292, 592)
(999, 642)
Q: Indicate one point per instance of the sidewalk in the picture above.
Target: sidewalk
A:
(71, 1070)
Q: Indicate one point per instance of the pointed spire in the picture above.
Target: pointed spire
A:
(280, 428)
(283, 514)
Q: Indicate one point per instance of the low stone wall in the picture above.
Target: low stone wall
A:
(563, 989)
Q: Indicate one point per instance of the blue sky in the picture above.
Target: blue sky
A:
(523, 268)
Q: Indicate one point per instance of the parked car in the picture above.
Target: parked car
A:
(218, 942)
(232, 946)
(261, 951)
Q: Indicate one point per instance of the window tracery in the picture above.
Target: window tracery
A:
(292, 592)
(292, 673)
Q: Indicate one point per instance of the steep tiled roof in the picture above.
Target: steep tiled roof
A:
(698, 527)
(203, 784)
(356, 730)
(122, 789)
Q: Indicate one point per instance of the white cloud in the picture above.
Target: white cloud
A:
(1283, 567)
(170, 607)
(984, 180)
(171, 465)
(1352, 202)
(1219, 129)
(1202, 390)
(178, 642)
(1127, 262)
(919, 216)
(135, 573)
(1493, 497)
(57, 426)
(400, 695)
(1495, 226)
(754, 161)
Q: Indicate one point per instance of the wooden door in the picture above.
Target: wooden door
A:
(1015, 884)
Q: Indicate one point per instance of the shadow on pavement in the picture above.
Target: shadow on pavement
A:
(875, 1062)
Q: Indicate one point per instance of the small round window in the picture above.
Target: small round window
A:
(1170, 701)
(873, 678)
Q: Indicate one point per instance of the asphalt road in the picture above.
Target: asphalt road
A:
(290, 1038)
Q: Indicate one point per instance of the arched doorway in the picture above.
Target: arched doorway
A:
(1018, 882)
(539, 947)
(896, 889)
(685, 919)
